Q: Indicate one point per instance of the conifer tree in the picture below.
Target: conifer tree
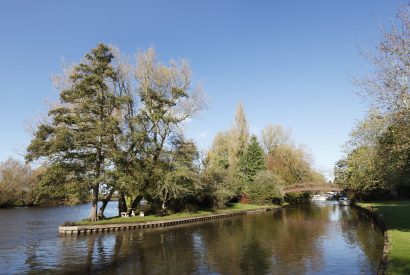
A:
(252, 161)
(80, 134)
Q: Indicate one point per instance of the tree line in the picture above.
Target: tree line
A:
(238, 165)
(117, 131)
(23, 185)
(377, 162)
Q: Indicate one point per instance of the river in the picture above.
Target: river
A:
(320, 238)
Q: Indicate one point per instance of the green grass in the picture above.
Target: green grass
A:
(235, 207)
(396, 215)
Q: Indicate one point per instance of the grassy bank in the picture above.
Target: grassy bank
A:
(396, 216)
(235, 207)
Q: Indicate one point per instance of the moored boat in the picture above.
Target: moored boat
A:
(344, 201)
(319, 198)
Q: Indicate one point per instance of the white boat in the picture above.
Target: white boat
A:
(319, 198)
(344, 201)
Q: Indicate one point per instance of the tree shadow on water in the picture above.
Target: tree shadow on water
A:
(255, 259)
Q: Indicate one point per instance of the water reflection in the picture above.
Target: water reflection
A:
(302, 239)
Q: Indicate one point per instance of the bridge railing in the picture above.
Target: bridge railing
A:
(308, 186)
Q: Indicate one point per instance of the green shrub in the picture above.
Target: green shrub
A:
(297, 197)
(218, 187)
(265, 188)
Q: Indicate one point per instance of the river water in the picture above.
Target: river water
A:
(320, 238)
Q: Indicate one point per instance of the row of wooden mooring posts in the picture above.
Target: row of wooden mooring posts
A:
(88, 229)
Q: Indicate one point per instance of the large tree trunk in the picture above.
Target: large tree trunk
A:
(94, 203)
(136, 202)
(104, 204)
(163, 208)
(122, 204)
(96, 187)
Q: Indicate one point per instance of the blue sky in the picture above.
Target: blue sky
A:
(288, 62)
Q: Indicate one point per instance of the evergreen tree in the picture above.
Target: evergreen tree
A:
(252, 161)
(80, 135)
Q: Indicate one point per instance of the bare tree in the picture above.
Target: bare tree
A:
(167, 98)
(16, 183)
(274, 135)
(387, 86)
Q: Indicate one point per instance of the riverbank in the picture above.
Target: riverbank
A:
(396, 217)
(123, 223)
